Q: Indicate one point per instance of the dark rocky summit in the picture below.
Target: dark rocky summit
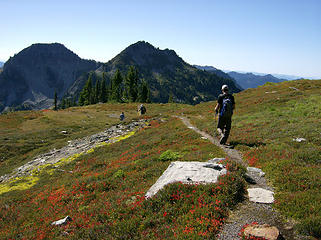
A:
(31, 77)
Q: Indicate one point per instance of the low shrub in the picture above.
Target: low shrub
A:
(169, 155)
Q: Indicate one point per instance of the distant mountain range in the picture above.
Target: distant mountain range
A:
(1, 64)
(280, 76)
(30, 78)
(248, 79)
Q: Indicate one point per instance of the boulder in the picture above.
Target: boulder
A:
(264, 231)
(188, 172)
(260, 195)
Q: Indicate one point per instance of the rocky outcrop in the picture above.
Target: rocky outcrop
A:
(33, 75)
(189, 173)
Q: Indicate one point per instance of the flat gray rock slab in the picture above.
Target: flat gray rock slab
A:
(188, 172)
(260, 195)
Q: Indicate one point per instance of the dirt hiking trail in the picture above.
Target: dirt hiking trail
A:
(247, 212)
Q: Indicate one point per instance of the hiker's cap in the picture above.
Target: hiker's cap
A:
(224, 87)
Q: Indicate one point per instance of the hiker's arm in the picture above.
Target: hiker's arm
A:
(217, 108)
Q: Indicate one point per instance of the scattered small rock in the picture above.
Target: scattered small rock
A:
(255, 171)
(262, 231)
(64, 132)
(260, 195)
(62, 221)
(272, 92)
(294, 88)
(299, 139)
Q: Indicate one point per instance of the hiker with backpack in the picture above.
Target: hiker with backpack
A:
(225, 106)
(141, 110)
(122, 116)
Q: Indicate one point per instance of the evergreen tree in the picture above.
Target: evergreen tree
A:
(148, 100)
(103, 95)
(74, 101)
(85, 97)
(110, 90)
(131, 84)
(97, 91)
(68, 103)
(63, 103)
(55, 101)
(116, 91)
(170, 98)
(144, 93)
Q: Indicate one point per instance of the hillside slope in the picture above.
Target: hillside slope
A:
(276, 126)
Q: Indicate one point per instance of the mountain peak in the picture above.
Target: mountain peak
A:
(48, 50)
(145, 54)
(40, 70)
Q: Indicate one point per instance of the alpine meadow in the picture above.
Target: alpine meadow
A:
(103, 189)
(156, 120)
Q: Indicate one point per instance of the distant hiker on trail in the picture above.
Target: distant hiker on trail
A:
(141, 109)
(225, 106)
(122, 116)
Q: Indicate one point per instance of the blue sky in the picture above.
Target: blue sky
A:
(271, 36)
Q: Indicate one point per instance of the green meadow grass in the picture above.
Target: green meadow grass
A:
(103, 191)
(266, 121)
(26, 134)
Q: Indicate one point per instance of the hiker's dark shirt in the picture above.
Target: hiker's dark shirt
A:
(222, 96)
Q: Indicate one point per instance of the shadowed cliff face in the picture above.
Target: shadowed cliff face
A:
(35, 73)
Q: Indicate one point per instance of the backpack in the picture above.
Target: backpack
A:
(227, 107)
(142, 109)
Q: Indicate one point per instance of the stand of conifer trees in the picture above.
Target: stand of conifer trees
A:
(121, 88)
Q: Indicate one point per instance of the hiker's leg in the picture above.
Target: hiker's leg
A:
(228, 124)
(220, 128)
